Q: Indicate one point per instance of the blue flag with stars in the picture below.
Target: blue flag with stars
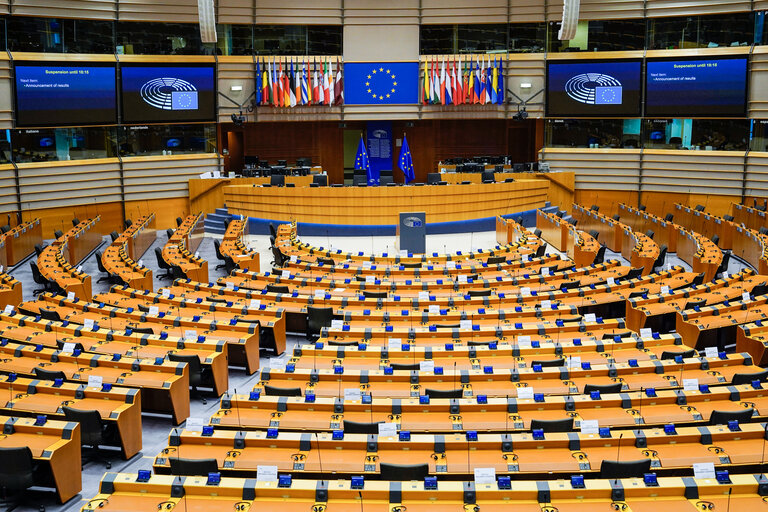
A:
(406, 162)
(362, 164)
(381, 83)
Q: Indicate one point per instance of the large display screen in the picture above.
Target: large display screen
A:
(162, 93)
(696, 87)
(593, 88)
(58, 94)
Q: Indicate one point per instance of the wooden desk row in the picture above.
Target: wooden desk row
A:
(752, 247)
(58, 262)
(716, 326)
(232, 246)
(10, 290)
(121, 491)
(699, 252)
(510, 232)
(641, 221)
(180, 249)
(580, 246)
(750, 217)
(706, 224)
(120, 258)
(446, 455)
(20, 242)
(503, 414)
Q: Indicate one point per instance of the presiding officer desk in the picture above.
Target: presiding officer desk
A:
(121, 492)
(55, 447)
(521, 453)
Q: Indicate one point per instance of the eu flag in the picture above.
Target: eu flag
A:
(381, 83)
(406, 162)
(362, 164)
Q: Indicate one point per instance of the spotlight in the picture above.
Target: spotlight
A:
(521, 115)
(238, 119)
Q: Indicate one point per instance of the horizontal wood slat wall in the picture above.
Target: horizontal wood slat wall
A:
(180, 11)
(6, 95)
(89, 9)
(481, 11)
(159, 177)
(7, 188)
(660, 8)
(703, 172)
(597, 169)
(57, 184)
(757, 175)
(296, 12)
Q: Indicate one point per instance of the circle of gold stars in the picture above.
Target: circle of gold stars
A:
(381, 71)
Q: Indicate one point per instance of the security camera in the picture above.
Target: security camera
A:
(521, 115)
(238, 119)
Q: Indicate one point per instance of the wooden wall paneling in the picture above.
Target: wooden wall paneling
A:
(608, 169)
(463, 11)
(162, 177)
(609, 10)
(69, 183)
(6, 95)
(608, 203)
(698, 172)
(180, 11)
(298, 12)
(757, 174)
(235, 70)
(60, 218)
(236, 12)
(659, 8)
(7, 189)
(89, 9)
(526, 68)
(757, 106)
(527, 11)
(5, 6)
(165, 210)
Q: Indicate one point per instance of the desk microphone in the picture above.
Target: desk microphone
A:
(361, 500)
(762, 455)
(618, 448)
(319, 459)
(506, 418)
(640, 410)
(237, 411)
(728, 506)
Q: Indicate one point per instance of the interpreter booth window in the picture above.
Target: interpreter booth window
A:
(527, 37)
(234, 39)
(324, 40)
(144, 140)
(759, 135)
(697, 134)
(593, 133)
(438, 39)
(761, 27)
(600, 36)
(61, 144)
(2, 33)
(54, 35)
(142, 38)
(482, 38)
(5, 146)
(280, 39)
(710, 31)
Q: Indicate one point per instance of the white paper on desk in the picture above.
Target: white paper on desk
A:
(285, 274)
(590, 427)
(725, 275)
(2, 268)
(394, 344)
(190, 335)
(450, 265)
(79, 269)
(293, 258)
(703, 470)
(485, 475)
(525, 290)
(403, 253)
(544, 271)
(387, 429)
(71, 296)
(646, 332)
(94, 381)
(255, 304)
(465, 324)
(462, 278)
(229, 285)
(434, 309)
(197, 255)
(194, 424)
(166, 292)
(370, 279)
(319, 294)
(574, 362)
(266, 473)
(352, 395)
(611, 281)
(745, 297)
(88, 323)
(337, 324)
(524, 341)
(427, 366)
(525, 393)
(423, 295)
(338, 290)
(277, 364)
(665, 289)
(668, 267)
(68, 348)
(367, 265)
(710, 352)
(141, 263)
(590, 317)
(216, 174)
(154, 310)
(546, 304)
(690, 384)
(8, 309)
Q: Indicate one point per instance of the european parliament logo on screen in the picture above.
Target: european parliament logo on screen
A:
(594, 89)
(170, 94)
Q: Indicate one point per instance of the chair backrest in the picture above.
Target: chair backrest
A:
(90, 424)
(277, 180)
(193, 361)
(669, 217)
(699, 208)
(359, 179)
(47, 314)
(594, 233)
(403, 472)
(496, 260)
(624, 469)
(594, 208)
(386, 180)
(58, 234)
(278, 256)
(317, 318)
(277, 288)
(320, 179)
(217, 248)
(548, 363)
(433, 177)
(179, 221)
(6, 228)
(358, 427)
(480, 293)
(405, 366)
(602, 388)
(114, 235)
(277, 391)
(444, 393)
(723, 417)
(169, 233)
(537, 232)
(17, 469)
(746, 378)
(488, 176)
(38, 249)
(649, 233)
(669, 354)
(43, 374)
(75, 221)
(272, 230)
(99, 262)
(374, 295)
(616, 216)
(128, 223)
(160, 261)
(36, 275)
(563, 425)
(193, 467)
(600, 256)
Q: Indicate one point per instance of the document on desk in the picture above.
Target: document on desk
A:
(266, 473)
(485, 475)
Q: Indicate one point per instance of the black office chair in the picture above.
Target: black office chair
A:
(317, 318)
(548, 363)
(163, 265)
(326, 261)
(374, 295)
(433, 178)
(616, 216)
(594, 208)
(641, 207)
(600, 256)
(699, 208)
(58, 234)
(127, 223)
(114, 235)
(278, 257)
(193, 467)
(724, 264)
(272, 230)
(488, 177)
(747, 378)
(320, 180)
(39, 249)
(416, 264)
(594, 233)
(716, 240)
(179, 221)
(405, 366)
(695, 302)
(635, 273)
(723, 417)
(93, 432)
(403, 472)
(277, 180)
(563, 425)
(537, 232)
(48, 374)
(729, 218)
(602, 388)
(358, 427)
(360, 180)
(198, 376)
(17, 474)
(6, 228)
(540, 250)
(611, 469)
(38, 278)
(229, 264)
(685, 354)
(486, 292)
(649, 233)
(277, 288)
(169, 233)
(497, 260)
(108, 277)
(75, 221)
(669, 217)
(662, 257)
(278, 391)
(444, 393)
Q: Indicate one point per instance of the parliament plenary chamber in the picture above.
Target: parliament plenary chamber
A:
(412, 256)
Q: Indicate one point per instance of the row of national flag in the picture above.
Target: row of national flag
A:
(290, 84)
(458, 83)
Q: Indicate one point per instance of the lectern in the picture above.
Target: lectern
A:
(412, 232)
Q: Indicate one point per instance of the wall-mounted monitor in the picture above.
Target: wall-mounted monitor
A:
(65, 94)
(701, 87)
(154, 93)
(587, 88)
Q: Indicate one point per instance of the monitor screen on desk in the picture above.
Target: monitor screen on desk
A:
(168, 93)
(61, 94)
(593, 88)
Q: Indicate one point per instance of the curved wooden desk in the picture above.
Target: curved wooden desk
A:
(232, 246)
(20, 241)
(382, 205)
(119, 259)
(180, 248)
(57, 262)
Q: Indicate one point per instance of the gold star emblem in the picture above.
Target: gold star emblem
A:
(387, 71)
(393, 77)
(393, 90)
(374, 95)
(387, 95)
(369, 90)
(381, 69)
(367, 83)
(369, 77)
(381, 97)
(374, 71)
(394, 83)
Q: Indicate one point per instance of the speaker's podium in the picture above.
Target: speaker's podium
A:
(412, 232)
